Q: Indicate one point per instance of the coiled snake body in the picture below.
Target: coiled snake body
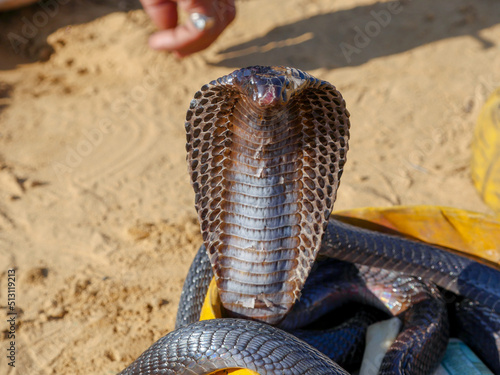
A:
(266, 149)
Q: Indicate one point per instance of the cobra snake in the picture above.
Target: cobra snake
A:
(266, 149)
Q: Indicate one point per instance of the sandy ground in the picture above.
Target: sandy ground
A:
(96, 210)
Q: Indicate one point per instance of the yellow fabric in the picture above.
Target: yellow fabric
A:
(212, 310)
(469, 232)
(485, 166)
(211, 306)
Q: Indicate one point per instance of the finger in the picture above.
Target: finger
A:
(186, 39)
(163, 13)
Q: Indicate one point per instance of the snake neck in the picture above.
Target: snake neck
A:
(259, 262)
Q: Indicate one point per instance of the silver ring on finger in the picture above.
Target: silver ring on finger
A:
(201, 22)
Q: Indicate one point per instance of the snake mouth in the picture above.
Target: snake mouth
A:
(266, 148)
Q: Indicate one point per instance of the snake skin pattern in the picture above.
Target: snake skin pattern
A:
(420, 345)
(345, 343)
(479, 327)
(333, 284)
(455, 273)
(266, 149)
(210, 345)
(194, 290)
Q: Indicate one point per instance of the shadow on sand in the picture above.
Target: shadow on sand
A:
(355, 36)
(24, 32)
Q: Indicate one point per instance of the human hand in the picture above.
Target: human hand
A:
(186, 39)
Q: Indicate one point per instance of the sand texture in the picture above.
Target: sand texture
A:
(96, 208)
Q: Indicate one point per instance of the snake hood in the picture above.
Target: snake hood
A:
(266, 148)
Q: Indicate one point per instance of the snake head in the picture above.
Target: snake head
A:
(266, 148)
(268, 86)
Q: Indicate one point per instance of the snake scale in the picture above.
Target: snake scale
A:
(266, 149)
